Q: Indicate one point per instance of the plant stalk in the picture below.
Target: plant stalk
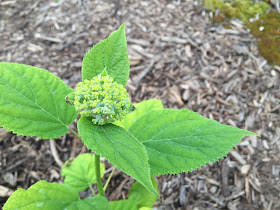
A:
(97, 170)
(109, 179)
(91, 189)
(75, 134)
(98, 177)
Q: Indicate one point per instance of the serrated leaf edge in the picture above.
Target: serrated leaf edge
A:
(117, 165)
(33, 134)
(102, 42)
(248, 133)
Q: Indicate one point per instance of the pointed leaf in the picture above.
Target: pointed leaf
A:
(92, 203)
(141, 109)
(119, 147)
(32, 102)
(141, 196)
(70, 98)
(42, 195)
(182, 140)
(80, 172)
(111, 54)
(123, 205)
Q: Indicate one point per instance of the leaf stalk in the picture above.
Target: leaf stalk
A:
(75, 134)
(109, 179)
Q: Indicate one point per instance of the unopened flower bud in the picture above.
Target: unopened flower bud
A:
(103, 99)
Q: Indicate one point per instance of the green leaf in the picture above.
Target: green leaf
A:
(182, 140)
(93, 203)
(141, 196)
(111, 54)
(32, 102)
(141, 109)
(123, 205)
(70, 98)
(119, 147)
(42, 195)
(80, 172)
(146, 208)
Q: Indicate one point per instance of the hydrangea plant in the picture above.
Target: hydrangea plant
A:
(103, 99)
(143, 143)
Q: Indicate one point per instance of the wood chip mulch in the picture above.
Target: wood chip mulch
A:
(177, 55)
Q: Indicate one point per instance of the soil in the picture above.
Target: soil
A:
(178, 55)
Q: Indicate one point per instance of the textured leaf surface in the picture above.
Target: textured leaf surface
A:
(182, 140)
(141, 196)
(92, 203)
(119, 147)
(141, 109)
(123, 205)
(110, 53)
(80, 172)
(32, 102)
(42, 195)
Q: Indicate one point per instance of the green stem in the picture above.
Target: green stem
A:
(97, 168)
(75, 134)
(98, 177)
(109, 179)
(91, 189)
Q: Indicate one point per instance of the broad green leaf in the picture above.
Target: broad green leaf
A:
(182, 140)
(32, 102)
(42, 195)
(111, 54)
(141, 109)
(80, 172)
(119, 147)
(141, 196)
(146, 208)
(92, 203)
(123, 205)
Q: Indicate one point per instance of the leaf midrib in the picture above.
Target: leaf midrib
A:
(34, 102)
(110, 60)
(134, 166)
(114, 144)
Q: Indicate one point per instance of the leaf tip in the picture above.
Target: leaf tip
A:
(122, 26)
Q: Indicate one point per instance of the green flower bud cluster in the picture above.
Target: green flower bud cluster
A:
(106, 101)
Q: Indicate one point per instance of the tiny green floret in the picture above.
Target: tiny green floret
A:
(103, 99)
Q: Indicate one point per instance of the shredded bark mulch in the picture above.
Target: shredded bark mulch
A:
(177, 55)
